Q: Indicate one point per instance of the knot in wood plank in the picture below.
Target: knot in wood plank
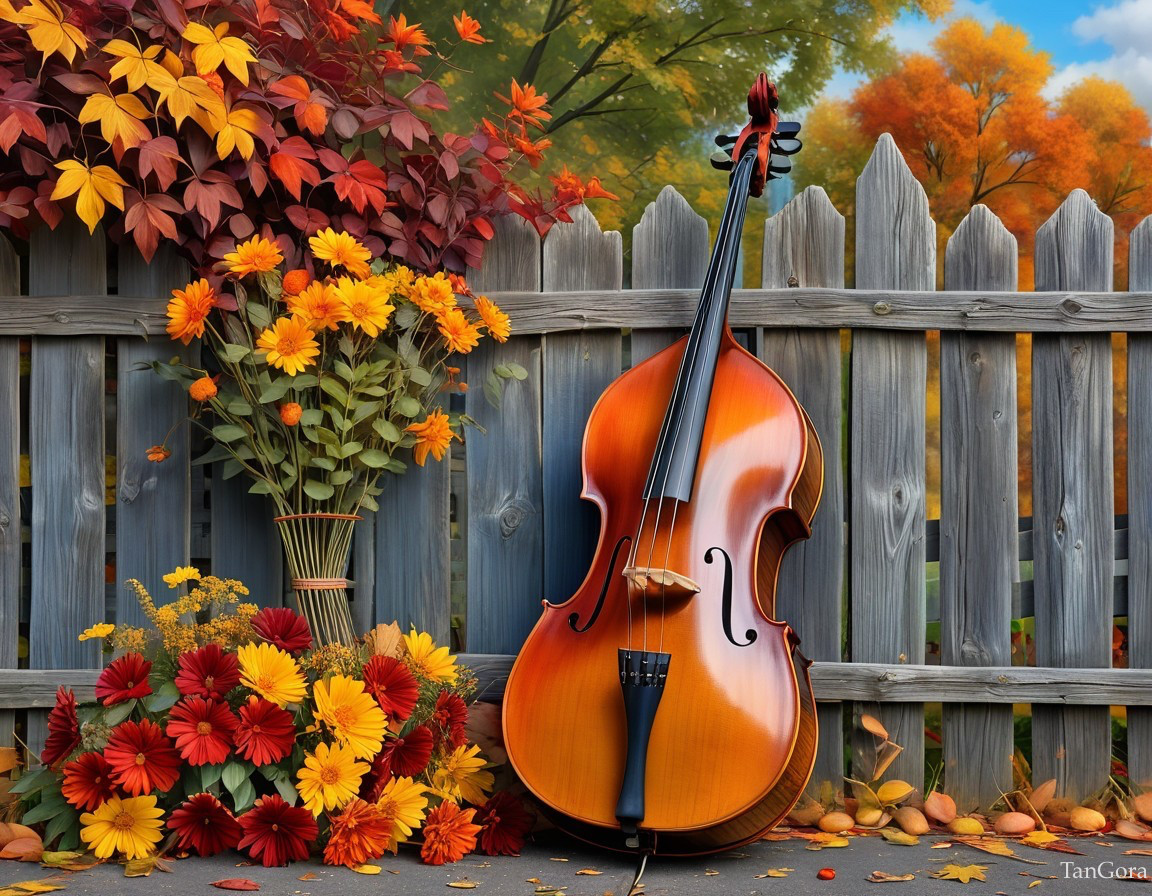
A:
(512, 515)
(61, 318)
(5, 520)
(881, 308)
(1071, 306)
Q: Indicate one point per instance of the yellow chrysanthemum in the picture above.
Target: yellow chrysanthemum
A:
(460, 334)
(188, 309)
(271, 673)
(494, 319)
(180, 575)
(256, 256)
(351, 714)
(433, 295)
(330, 777)
(129, 826)
(99, 630)
(399, 280)
(341, 249)
(433, 662)
(364, 305)
(404, 800)
(317, 304)
(289, 345)
(433, 436)
(462, 776)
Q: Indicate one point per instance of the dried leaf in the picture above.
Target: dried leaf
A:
(894, 791)
(1039, 838)
(26, 887)
(833, 842)
(872, 725)
(708, 872)
(895, 835)
(24, 849)
(945, 845)
(557, 860)
(886, 756)
(64, 858)
(1035, 883)
(308, 876)
(1042, 795)
(883, 877)
(589, 871)
(547, 889)
(385, 640)
(236, 883)
(9, 759)
(1138, 852)
(773, 872)
(533, 880)
(963, 873)
(141, 867)
(462, 884)
(987, 844)
(367, 869)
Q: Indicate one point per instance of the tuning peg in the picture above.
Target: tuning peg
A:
(725, 139)
(720, 161)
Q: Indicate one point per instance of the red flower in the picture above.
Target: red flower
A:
(451, 715)
(207, 672)
(361, 832)
(125, 678)
(203, 823)
(202, 730)
(142, 758)
(63, 728)
(276, 833)
(266, 732)
(284, 628)
(449, 834)
(88, 781)
(393, 685)
(408, 755)
(505, 824)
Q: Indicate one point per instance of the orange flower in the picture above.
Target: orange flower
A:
(203, 389)
(570, 189)
(494, 319)
(433, 436)
(256, 256)
(449, 834)
(341, 249)
(468, 28)
(290, 413)
(526, 103)
(361, 832)
(433, 295)
(460, 334)
(403, 35)
(459, 284)
(289, 345)
(295, 282)
(533, 151)
(318, 304)
(187, 310)
(158, 454)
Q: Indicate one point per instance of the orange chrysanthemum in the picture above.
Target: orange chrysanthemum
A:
(187, 310)
(203, 389)
(341, 249)
(319, 305)
(433, 295)
(460, 334)
(361, 832)
(158, 454)
(449, 834)
(468, 28)
(289, 345)
(290, 413)
(296, 281)
(494, 319)
(433, 436)
(257, 256)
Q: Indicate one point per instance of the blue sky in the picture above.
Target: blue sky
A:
(1109, 39)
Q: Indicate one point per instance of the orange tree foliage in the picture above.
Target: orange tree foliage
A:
(206, 121)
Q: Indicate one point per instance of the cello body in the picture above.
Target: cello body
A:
(680, 594)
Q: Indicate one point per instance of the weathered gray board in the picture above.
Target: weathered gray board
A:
(895, 249)
(1072, 499)
(804, 245)
(9, 488)
(978, 511)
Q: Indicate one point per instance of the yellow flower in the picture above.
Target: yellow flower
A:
(364, 305)
(330, 777)
(400, 280)
(460, 334)
(187, 310)
(317, 304)
(257, 256)
(341, 249)
(433, 662)
(462, 775)
(180, 575)
(99, 630)
(351, 714)
(433, 295)
(404, 800)
(130, 826)
(271, 673)
(432, 436)
(289, 345)
(494, 319)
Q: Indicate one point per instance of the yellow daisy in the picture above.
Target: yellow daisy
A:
(351, 714)
(341, 249)
(404, 800)
(317, 304)
(399, 280)
(494, 319)
(364, 305)
(271, 673)
(289, 345)
(462, 776)
(433, 662)
(99, 630)
(257, 256)
(180, 575)
(129, 826)
(460, 334)
(330, 777)
(433, 295)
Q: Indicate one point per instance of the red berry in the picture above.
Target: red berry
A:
(825, 874)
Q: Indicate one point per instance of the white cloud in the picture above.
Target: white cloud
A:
(1127, 25)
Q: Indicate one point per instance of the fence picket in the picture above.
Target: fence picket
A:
(1072, 498)
(895, 249)
(245, 544)
(804, 241)
(978, 511)
(1140, 508)
(153, 501)
(10, 549)
(577, 368)
(505, 492)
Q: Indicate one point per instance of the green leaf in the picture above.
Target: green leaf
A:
(317, 490)
(304, 381)
(244, 796)
(502, 371)
(395, 466)
(366, 410)
(259, 314)
(60, 823)
(234, 774)
(350, 448)
(312, 417)
(213, 454)
(369, 503)
(119, 713)
(33, 782)
(232, 468)
(420, 376)
(344, 370)
(341, 477)
(373, 457)
(408, 406)
(324, 463)
(347, 348)
(211, 774)
(330, 386)
(276, 391)
(165, 698)
(327, 437)
(261, 487)
(48, 808)
(228, 432)
(287, 791)
(493, 390)
(234, 353)
(518, 372)
(239, 407)
(405, 316)
(386, 429)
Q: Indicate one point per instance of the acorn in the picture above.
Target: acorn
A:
(835, 823)
(911, 821)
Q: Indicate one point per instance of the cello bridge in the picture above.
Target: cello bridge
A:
(649, 582)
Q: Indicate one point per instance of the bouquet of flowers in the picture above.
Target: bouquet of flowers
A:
(225, 727)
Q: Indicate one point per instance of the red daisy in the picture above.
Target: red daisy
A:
(393, 686)
(451, 716)
(202, 730)
(142, 758)
(276, 833)
(63, 728)
(505, 824)
(207, 672)
(449, 834)
(284, 628)
(362, 831)
(408, 755)
(204, 824)
(266, 733)
(88, 782)
(123, 679)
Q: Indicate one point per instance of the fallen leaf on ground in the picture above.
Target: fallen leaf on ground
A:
(895, 835)
(1138, 852)
(557, 860)
(482, 865)
(1039, 838)
(24, 849)
(533, 880)
(462, 884)
(141, 867)
(26, 887)
(236, 883)
(308, 876)
(945, 845)
(1035, 883)
(780, 835)
(773, 872)
(548, 889)
(62, 858)
(367, 869)
(988, 844)
(832, 842)
(589, 871)
(883, 877)
(708, 872)
(963, 873)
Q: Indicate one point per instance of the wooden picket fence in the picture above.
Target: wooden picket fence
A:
(529, 536)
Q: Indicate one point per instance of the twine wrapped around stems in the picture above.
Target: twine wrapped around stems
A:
(317, 547)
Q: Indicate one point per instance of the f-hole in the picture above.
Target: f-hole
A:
(726, 611)
(574, 619)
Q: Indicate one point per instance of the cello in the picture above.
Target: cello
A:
(662, 709)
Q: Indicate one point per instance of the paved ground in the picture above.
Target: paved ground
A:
(733, 874)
